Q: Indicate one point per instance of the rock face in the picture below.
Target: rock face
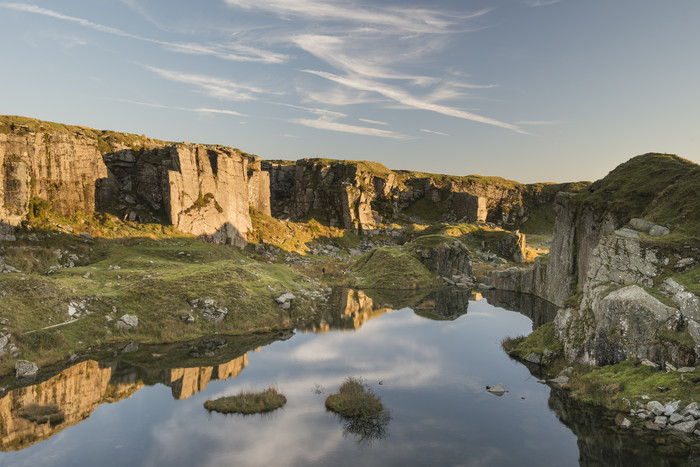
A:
(55, 166)
(203, 190)
(358, 195)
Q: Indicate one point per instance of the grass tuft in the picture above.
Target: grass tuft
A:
(248, 403)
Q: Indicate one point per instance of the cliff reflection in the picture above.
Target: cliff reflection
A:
(75, 392)
(349, 309)
(538, 310)
(601, 442)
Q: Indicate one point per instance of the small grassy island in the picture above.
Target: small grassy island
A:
(355, 399)
(248, 403)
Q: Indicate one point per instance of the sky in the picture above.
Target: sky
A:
(529, 90)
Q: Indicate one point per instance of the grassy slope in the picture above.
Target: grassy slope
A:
(155, 280)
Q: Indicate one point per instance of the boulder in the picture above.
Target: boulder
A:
(497, 390)
(127, 322)
(25, 369)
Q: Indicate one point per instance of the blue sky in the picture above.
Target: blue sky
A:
(531, 90)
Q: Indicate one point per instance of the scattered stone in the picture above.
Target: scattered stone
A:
(675, 418)
(685, 263)
(672, 407)
(686, 369)
(647, 362)
(659, 231)
(670, 367)
(188, 318)
(86, 236)
(641, 224)
(113, 267)
(86, 275)
(109, 318)
(693, 406)
(684, 427)
(3, 342)
(656, 407)
(532, 357)
(497, 390)
(285, 297)
(25, 369)
(560, 380)
(72, 310)
(661, 421)
(127, 322)
(208, 309)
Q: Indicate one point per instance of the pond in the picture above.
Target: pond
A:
(143, 405)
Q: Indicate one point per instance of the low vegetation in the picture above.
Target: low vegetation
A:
(609, 386)
(391, 268)
(248, 403)
(41, 414)
(355, 399)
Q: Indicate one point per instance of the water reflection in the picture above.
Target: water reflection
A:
(601, 442)
(431, 375)
(538, 310)
(349, 309)
(78, 390)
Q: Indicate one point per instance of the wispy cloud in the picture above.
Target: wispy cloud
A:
(203, 110)
(211, 86)
(538, 122)
(227, 50)
(404, 19)
(325, 123)
(374, 122)
(402, 97)
(434, 132)
(537, 3)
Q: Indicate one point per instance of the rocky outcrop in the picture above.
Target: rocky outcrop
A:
(202, 190)
(359, 195)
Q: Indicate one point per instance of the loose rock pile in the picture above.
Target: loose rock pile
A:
(657, 416)
(208, 309)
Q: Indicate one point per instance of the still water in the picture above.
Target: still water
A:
(144, 406)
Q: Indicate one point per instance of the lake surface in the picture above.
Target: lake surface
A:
(137, 405)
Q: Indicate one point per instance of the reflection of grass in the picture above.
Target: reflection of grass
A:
(42, 414)
(362, 411)
(248, 403)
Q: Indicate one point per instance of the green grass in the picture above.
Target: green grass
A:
(248, 403)
(537, 341)
(355, 399)
(391, 268)
(156, 279)
(662, 188)
(609, 385)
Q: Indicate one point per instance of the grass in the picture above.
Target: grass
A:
(41, 414)
(391, 268)
(355, 399)
(662, 188)
(248, 403)
(156, 280)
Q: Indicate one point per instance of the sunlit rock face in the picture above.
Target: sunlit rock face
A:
(202, 190)
(81, 388)
(59, 167)
(185, 382)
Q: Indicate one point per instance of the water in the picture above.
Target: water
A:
(144, 406)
